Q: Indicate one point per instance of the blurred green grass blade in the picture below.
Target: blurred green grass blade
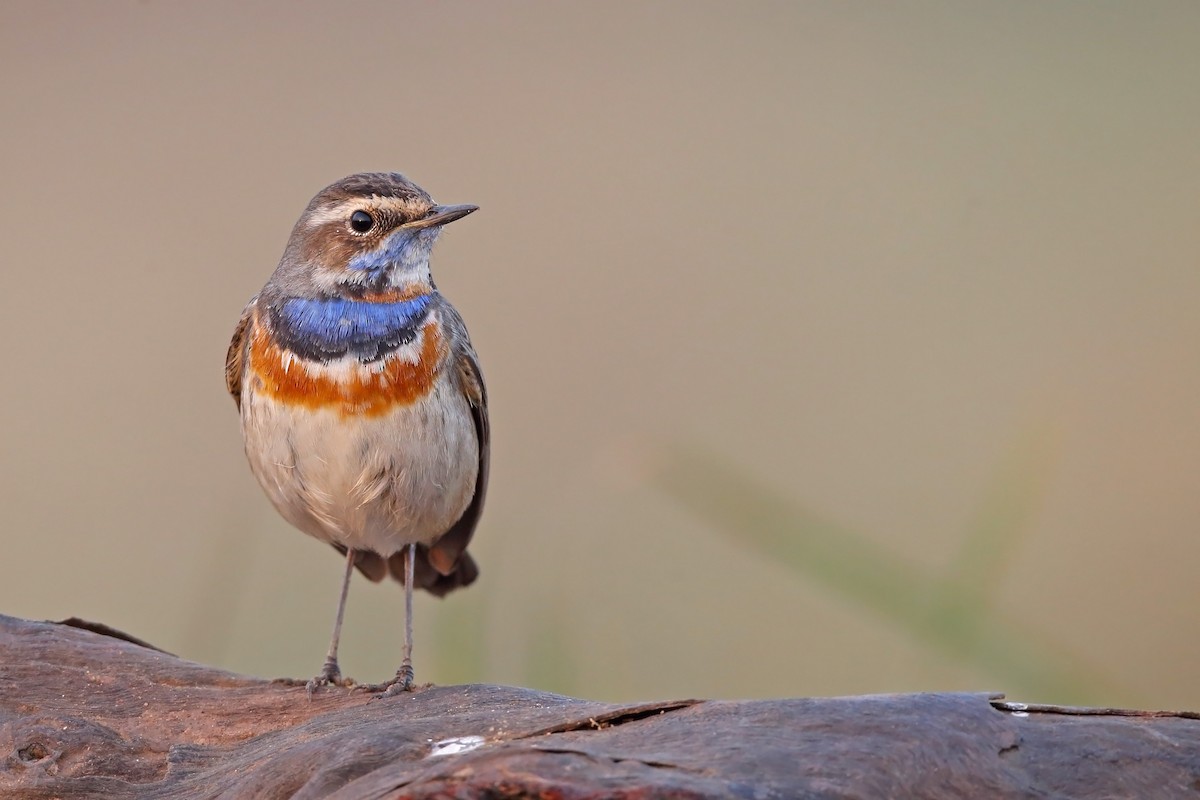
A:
(1000, 524)
(206, 625)
(549, 661)
(849, 564)
(460, 639)
(826, 551)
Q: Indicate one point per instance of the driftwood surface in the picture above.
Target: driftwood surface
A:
(86, 711)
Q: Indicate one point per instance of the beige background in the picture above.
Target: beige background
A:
(858, 252)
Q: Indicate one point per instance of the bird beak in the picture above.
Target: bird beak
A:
(441, 215)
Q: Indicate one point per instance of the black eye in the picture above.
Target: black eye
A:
(361, 221)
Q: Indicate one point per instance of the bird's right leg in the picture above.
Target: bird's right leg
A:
(331, 674)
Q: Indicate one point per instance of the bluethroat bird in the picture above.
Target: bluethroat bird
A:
(363, 407)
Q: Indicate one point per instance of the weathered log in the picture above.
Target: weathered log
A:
(86, 711)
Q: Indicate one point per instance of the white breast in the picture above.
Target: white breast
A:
(372, 483)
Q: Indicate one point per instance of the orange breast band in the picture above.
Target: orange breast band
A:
(361, 392)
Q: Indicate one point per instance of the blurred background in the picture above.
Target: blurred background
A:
(832, 348)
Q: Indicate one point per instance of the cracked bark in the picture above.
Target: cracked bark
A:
(86, 711)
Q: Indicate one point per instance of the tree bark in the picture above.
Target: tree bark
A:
(86, 711)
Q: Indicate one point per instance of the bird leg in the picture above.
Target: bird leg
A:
(403, 681)
(331, 674)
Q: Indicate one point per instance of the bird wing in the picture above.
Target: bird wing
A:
(445, 553)
(235, 357)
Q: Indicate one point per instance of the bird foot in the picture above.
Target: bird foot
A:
(403, 682)
(330, 675)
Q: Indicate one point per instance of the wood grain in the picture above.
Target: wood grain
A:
(86, 711)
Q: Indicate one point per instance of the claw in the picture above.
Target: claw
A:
(330, 675)
(403, 682)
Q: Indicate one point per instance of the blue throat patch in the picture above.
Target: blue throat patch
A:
(401, 247)
(324, 329)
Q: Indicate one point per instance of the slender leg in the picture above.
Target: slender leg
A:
(404, 676)
(330, 673)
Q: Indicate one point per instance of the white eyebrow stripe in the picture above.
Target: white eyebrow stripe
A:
(340, 211)
(320, 216)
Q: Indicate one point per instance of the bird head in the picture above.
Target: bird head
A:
(367, 234)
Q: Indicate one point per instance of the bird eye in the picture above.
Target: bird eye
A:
(361, 221)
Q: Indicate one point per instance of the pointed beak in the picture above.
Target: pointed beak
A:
(441, 215)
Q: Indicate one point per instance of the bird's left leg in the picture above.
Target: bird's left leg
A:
(331, 674)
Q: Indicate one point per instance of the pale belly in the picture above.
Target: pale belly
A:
(369, 483)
